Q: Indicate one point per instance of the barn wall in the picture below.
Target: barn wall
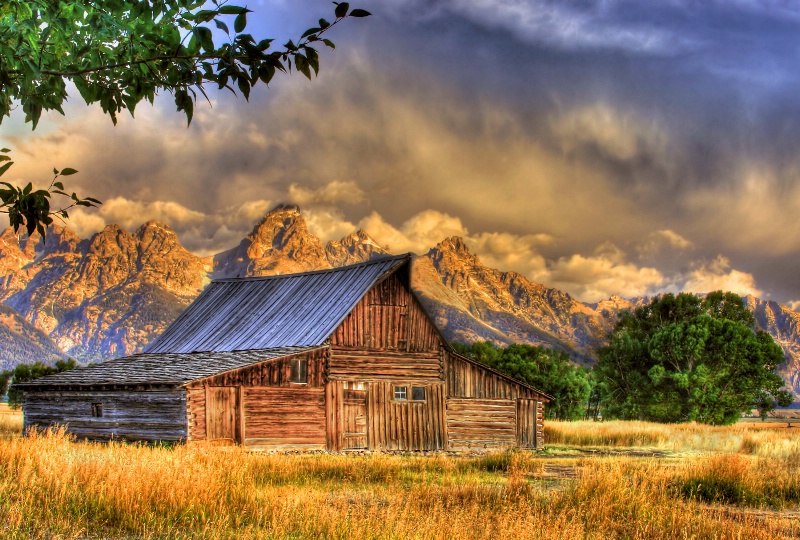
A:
(366, 364)
(388, 424)
(388, 317)
(467, 381)
(143, 415)
(480, 424)
(271, 411)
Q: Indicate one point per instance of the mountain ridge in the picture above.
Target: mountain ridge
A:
(109, 295)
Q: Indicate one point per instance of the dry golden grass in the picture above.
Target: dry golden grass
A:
(752, 438)
(52, 487)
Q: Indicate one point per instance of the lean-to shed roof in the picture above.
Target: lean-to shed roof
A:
(292, 310)
(159, 369)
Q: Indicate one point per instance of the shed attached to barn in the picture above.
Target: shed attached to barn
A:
(335, 360)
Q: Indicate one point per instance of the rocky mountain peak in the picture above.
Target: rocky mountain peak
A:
(451, 254)
(58, 240)
(280, 243)
(354, 248)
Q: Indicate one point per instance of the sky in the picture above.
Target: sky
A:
(599, 147)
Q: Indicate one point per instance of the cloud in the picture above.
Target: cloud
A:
(417, 234)
(562, 24)
(346, 192)
(602, 128)
(327, 223)
(794, 305)
(661, 240)
(507, 251)
(718, 275)
(598, 276)
(201, 233)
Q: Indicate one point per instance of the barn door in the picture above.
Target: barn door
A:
(354, 413)
(222, 413)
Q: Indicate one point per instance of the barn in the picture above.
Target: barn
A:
(338, 360)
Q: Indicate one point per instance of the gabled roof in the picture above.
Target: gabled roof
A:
(158, 369)
(292, 310)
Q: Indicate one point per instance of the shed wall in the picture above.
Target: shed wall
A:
(272, 411)
(140, 415)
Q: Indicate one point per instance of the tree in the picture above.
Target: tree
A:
(547, 370)
(684, 358)
(29, 372)
(120, 52)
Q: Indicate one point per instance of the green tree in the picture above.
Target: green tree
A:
(684, 358)
(120, 52)
(545, 369)
(29, 372)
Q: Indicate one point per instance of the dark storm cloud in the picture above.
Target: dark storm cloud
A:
(602, 147)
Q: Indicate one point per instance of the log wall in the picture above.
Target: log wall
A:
(271, 411)
(474, 391)
(480, 424)
(284, 417)
(365, 364)
(137, 415)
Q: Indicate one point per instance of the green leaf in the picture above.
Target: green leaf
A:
(5, 167)
(360, 13)
(233, 10)
(68, 171)
(222, 26)
(58, 185)
(341, 10)
(329, 43)
(240, 22)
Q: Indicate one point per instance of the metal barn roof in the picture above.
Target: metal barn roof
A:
(158, 369)
(292, 310)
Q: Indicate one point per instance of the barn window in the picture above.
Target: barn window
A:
(97, 410)
(299, 372)
(418, 393)
(400, 393)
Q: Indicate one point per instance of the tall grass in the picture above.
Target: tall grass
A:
(52, 487)
(748, 438)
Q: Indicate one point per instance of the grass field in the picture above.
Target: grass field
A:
(624, 480)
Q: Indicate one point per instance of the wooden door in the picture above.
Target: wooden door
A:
(354, 413)
(222, 413)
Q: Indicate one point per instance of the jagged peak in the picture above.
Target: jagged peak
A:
(154, 229)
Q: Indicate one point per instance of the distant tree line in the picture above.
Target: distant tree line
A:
(547, 370)
(680, 358)
(29, 372)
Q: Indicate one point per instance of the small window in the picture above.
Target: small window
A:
(400, 393)
(299, 372)
(97, 410)
(418, 393)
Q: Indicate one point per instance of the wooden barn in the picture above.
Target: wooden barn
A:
(336, 360)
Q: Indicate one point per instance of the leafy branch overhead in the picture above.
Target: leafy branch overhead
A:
(120, 52)
(32, 209)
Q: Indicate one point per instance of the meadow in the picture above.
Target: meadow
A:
(625, 480)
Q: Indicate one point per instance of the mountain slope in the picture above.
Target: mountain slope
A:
(110, 295)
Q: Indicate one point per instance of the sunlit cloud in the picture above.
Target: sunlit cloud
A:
(718, 275)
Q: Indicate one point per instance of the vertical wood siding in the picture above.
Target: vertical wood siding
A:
(144, 415)
(527, 410)
(390, 424)
(388, 317)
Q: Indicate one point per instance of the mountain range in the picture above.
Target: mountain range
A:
(109, 295)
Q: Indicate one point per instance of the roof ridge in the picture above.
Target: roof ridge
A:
(310, 272)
